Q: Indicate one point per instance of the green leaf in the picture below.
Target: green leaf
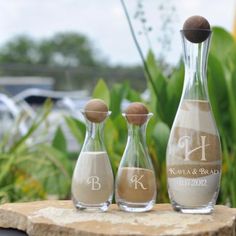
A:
(161, 135)
(77, 128)
(59, 140)
(159, 86)
(110, 135)
(174, 91)
(218, 92)
(233, 84)
(5, 169)
(101, 91)
(224, 48)
(36, 124)
(118, 93)
(60, 174)
(222, 43)
(133, 96)
(157, 76)
(58, 159)
(221, 88)
(115, 135)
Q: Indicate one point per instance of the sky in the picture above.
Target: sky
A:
(103, 21)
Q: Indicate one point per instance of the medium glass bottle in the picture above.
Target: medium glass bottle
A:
(194, 149)
(92, 182)
(135, 180)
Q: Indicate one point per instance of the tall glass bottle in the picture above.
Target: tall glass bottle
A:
(135, 180)
(92, 182)
(194, 150)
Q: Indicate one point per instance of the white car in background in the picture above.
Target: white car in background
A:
(25, 105)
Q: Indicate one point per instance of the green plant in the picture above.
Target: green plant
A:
(222, 87)
(29, 170)
(165, 93)
(221, 84)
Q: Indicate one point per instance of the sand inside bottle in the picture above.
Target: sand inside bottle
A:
(93, 178)
(136, 185)
(193, 155)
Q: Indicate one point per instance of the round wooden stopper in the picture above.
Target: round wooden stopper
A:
(196, 29)
(136, 113)
(96, 110)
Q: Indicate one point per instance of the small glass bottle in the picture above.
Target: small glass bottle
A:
(194, 149)
(135, 180)
(93, 182)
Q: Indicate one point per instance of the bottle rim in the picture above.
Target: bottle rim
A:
(97, 112)
(137, 115)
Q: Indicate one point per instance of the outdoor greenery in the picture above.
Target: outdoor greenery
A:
(29, 170)
(53, 51)
(164, 98)
(67, 57)
(32, 170)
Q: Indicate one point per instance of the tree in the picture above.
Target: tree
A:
(69, 58)
(22, 50)
(62, 49)
(67, 49)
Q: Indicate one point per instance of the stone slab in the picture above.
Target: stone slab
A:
(53, 218)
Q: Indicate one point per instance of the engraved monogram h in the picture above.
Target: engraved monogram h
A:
(185, 141)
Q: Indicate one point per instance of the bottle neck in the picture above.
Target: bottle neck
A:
(137, 133)
(136, 152)
(94, 137)
(94, 130)
(195, 60)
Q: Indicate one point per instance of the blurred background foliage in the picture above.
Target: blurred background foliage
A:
(164, 103)
(67, 57)
(31, 170)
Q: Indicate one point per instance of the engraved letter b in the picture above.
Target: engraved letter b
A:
(94, 181)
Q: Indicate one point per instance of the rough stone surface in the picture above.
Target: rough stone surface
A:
(55, 218)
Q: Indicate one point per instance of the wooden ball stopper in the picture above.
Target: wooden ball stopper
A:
(136, 113)
(196, 29)
(96, 110)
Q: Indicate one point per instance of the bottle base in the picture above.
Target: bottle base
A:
(202, 210)
(92, 207)
(135, 207)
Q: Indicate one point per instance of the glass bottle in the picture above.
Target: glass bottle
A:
(93, 182)
(194, 149)
(135, 180)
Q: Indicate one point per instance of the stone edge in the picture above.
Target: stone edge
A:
(22, 222)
